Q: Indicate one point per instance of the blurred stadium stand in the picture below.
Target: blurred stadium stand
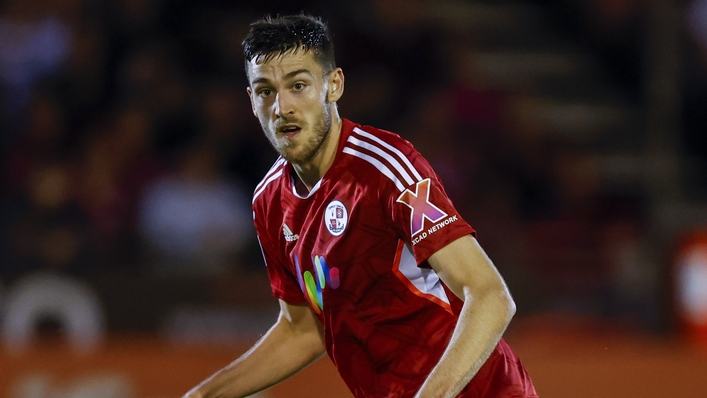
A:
(571, 135)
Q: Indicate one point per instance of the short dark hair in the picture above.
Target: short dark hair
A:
(270, 37)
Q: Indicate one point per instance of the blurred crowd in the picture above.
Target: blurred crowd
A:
(129, 146)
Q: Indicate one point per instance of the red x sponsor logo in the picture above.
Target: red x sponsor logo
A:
(421, 207)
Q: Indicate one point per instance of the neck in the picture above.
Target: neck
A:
(311, 172)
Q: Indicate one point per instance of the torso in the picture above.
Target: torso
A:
(355, 250)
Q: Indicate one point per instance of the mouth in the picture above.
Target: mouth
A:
(288, 129)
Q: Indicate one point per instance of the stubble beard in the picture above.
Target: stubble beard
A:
(308, 149)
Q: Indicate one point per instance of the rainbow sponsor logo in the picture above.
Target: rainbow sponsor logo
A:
(313, 285)
(421, 207)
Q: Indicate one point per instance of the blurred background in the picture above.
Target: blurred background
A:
(571, 134)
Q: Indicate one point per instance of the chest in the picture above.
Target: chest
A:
(335, 222)
(337, 242)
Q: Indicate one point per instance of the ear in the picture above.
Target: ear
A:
(336, 85)
(252, 103)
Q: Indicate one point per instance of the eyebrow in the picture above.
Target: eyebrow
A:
(287, 76)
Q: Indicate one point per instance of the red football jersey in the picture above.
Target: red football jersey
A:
(355, 249)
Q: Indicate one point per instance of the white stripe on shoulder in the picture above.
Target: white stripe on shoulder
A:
(377, 164)
(388, 158)
(392, 149)
(264, 184)
(274, 167)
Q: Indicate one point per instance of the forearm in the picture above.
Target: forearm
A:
(481, 324)
(281, 353)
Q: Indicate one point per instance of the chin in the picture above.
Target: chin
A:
(298, 158)
(290, 156)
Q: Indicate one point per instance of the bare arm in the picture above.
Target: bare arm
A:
(295, 341)
(487, 310)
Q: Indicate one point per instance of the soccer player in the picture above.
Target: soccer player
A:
(370, 261)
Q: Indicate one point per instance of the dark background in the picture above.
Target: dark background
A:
(570, 134)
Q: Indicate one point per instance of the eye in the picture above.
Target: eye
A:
(265, 92)
(298, 86)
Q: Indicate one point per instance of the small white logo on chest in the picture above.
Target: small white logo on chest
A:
(336, 217)
(289, 236)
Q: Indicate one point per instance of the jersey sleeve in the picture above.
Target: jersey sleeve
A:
(283, 283)
(422, 212)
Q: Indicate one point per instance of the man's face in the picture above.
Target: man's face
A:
(289, 95)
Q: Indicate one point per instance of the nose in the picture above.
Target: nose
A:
(283, 104)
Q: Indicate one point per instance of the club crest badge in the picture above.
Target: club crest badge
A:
(336, 217)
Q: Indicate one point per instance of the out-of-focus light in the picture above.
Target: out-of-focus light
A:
(691, 286)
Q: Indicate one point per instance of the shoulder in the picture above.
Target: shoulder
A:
(390, 155)
(268, 186)
(378, 137)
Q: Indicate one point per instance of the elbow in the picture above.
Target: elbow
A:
(497, 299)
(503, 302)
